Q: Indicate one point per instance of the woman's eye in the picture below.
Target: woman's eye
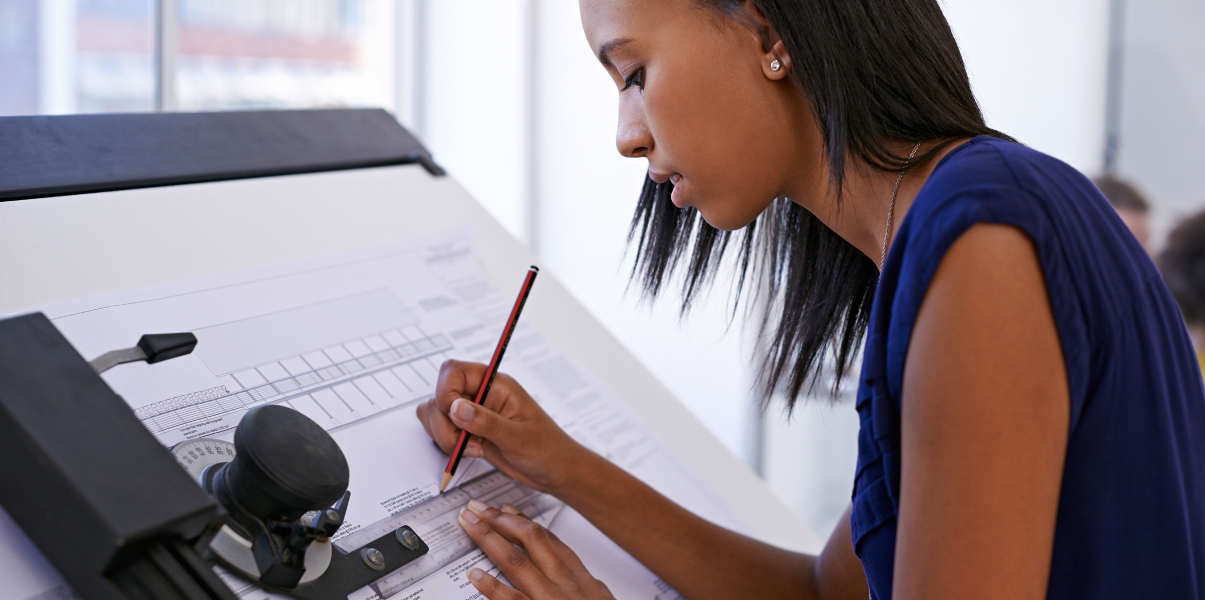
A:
(635, 79)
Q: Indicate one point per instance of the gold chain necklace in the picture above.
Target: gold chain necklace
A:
(891, 208)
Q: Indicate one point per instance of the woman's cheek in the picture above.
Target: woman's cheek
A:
(676, 126)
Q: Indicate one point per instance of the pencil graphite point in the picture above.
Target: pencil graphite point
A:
(443, 485)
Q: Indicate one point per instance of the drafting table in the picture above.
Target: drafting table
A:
(90, 204)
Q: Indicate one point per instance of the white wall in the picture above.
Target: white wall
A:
(1163, 105)
(1038, 68)
(474, 86)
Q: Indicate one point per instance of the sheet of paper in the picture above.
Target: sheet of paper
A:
(355, 344)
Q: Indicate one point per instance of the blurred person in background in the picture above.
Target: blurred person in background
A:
(1130, 204)
(1183, 264)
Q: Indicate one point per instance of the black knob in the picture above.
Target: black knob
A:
(285, 465)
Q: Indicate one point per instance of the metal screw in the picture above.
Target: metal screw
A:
(373, 559)
(409, 539)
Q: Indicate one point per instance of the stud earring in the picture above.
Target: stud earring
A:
(776, 65)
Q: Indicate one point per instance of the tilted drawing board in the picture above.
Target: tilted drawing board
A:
(93, 205)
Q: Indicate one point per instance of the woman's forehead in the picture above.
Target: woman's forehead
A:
(607, 20)
(604, 18)
(625, 17)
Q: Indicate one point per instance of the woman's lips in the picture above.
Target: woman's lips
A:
(658, 177)
(676, 179)
(677, 196)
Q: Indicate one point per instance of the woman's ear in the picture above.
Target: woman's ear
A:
(776, 63)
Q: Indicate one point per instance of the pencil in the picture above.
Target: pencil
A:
(492, 369)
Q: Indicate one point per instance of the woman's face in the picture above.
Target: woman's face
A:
(699, 100)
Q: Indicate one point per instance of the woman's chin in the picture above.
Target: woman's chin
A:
(725, 221)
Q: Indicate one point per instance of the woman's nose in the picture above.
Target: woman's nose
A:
(632, 137)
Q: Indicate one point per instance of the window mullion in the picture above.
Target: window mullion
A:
(167, 30)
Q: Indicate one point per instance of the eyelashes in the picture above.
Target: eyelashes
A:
(635, 79)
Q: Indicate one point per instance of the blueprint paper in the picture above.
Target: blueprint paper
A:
(356, 344)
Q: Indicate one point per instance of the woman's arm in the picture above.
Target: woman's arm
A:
(698, 558)
(984, 427)
(701, 559)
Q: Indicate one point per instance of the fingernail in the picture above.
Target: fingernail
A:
(468, 517)
(476, 574)
(474, 449)
(463, 409)
(477, 506)
(508, 509)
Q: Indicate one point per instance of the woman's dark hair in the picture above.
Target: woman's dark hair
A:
(1182, 263)
(873, 72)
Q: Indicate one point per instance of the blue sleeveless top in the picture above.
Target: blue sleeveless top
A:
(1131, 514)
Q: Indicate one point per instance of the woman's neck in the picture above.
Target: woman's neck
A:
(860, 217)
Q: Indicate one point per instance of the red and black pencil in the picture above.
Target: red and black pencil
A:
(490, 371)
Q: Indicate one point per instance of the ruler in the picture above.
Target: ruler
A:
(435, 521)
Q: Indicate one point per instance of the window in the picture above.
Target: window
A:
(76, 56)
(281, 53)
(89, 56)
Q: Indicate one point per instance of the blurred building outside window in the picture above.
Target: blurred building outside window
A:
(76, 56)
(99, 56)
(234, 54)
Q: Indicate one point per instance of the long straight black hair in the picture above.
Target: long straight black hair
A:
(873, 72)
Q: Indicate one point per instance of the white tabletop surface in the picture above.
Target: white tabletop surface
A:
(66, 247)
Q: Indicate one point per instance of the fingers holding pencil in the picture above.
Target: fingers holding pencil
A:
(459, 379)
(512, 432)
(483, 422)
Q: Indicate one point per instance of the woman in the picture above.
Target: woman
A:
(1032, 418)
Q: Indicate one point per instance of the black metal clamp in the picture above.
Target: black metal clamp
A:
(112, 509)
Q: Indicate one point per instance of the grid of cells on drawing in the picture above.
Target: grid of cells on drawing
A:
(335, 385)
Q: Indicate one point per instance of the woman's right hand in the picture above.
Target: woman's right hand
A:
(509, 430)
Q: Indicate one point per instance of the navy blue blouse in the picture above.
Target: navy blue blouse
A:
(1131, 514)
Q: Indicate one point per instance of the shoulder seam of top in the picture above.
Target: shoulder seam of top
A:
(1008, 164)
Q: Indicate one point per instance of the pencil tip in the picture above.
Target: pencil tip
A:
(443, 484)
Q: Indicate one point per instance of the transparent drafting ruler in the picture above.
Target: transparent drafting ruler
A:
(435, 521)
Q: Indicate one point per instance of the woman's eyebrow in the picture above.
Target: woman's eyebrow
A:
(606, 49)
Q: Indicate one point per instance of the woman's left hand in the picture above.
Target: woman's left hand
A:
(530, 556)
